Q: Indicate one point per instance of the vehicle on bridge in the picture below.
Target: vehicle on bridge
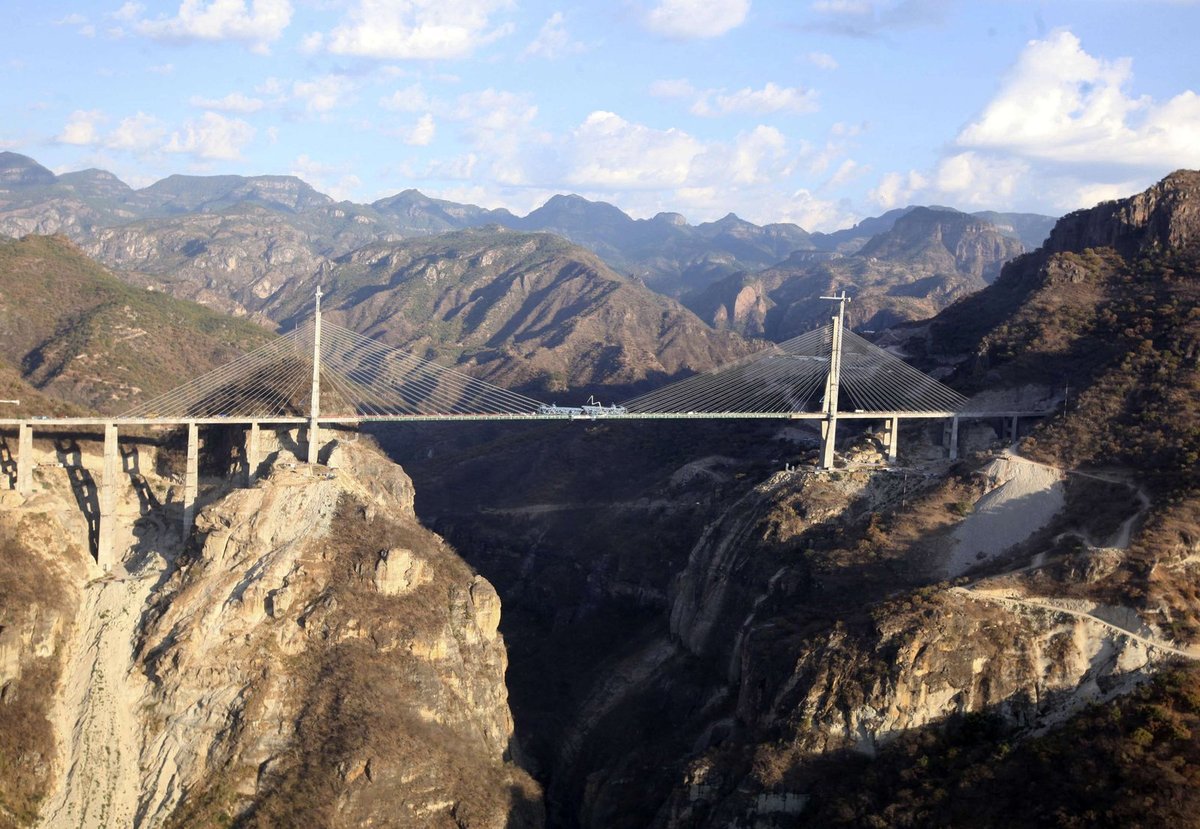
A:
(592, 409)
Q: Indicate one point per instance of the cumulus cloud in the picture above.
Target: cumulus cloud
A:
(421, 135)
(1062, 132)
(608, 151)
(553, 40)
(695, 19)
(260, 23)
(211, 136)
(81, 127)
(233, 102)
(1061, 104)
(771, 98)
(414, 29)
(138, 133)
(320, 95)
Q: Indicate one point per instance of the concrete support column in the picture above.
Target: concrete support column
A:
(191, 478)
(832, 385)
(252, 437)
(893, 438)
(105, 552)
(25, 459)
(952, 443)
(1014, 432)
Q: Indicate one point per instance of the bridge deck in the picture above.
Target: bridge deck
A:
(40, 422)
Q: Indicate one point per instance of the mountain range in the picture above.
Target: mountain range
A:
(219, 223)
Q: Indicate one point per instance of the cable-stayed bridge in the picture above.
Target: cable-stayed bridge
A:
(323, 374)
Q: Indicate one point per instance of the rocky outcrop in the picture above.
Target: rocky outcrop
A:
(926, 260)
(1164, 217)
(313, 656)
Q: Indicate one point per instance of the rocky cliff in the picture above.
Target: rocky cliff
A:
(313, 655)
(926, 260)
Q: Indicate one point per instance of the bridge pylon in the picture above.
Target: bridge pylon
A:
(314, 410)
(833, 383)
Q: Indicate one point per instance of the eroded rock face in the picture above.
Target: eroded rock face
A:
(315, 657)
(1164, 217)
(322, 636)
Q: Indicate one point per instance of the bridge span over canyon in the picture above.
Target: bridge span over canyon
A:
(321, 374)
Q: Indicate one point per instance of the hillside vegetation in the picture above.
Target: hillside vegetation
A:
(77, 333)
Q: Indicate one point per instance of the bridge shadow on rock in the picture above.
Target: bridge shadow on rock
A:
(83, 488)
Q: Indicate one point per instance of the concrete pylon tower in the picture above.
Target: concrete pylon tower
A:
(832, 383)
(314, 410)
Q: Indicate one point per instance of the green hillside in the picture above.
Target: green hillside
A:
(75, 332)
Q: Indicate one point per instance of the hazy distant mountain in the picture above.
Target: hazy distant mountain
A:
(666, 252)
(1030, 229)
(925, 261)
(240, 244)
(414, 213)
(529, 311)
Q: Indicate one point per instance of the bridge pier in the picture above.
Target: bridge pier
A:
(191, 477)
(828, 438)
(25, 459)
(950, 438)
(252, 449)
(892, 439)
(105, 552)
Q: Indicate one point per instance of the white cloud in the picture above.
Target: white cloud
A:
(1060, 104)
(756, 155)
(422, 134)
(138, 133)
(696, 19)
(771, 98)
(414, 29)
(233, 102)
(81, 127)
(211, 136)
(410, 99)
(553, 40)
(161, 69)
(822, 60)
(320, 95)
(260, 23)
(1063, 131)
(847, 171)
(495, 111)
(608, 151)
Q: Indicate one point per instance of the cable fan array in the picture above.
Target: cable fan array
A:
(782, 378)
(791, 377)
(359, 378)
(273, 380)
(877, 381)
(376, 380)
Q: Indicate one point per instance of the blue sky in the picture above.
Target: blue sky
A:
(819, 112)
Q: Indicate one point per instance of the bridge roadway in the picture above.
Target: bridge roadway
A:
(107, 500)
